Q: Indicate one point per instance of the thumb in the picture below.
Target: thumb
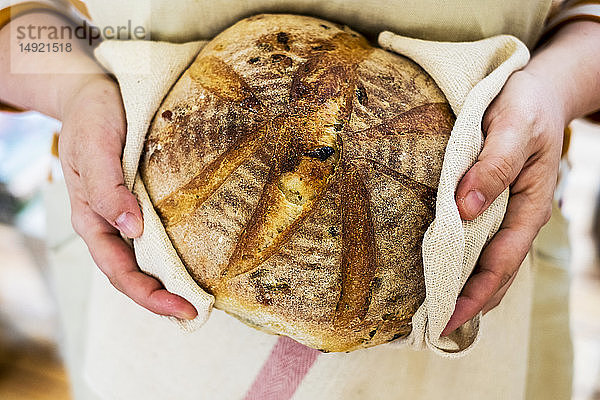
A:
(498, 165)
(107, 195)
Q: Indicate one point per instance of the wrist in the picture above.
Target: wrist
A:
(569, 64)
(553, 98)
(94, 86)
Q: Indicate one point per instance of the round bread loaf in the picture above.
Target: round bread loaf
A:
(295, 168)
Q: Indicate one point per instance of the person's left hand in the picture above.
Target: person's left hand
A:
(523, 129)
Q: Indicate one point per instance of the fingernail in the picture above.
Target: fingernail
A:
(185, 314)
(448, 329)
(445, 332)
(129, 224)
(474, 202)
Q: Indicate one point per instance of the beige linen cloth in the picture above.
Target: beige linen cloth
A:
(470, 74)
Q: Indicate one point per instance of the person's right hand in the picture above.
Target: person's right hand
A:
(90, 148)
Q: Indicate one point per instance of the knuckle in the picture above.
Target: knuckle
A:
(78, 224)
(100, 203)
(546, 214)
(115, 280)
(501, 170)
(504, 278)
(97, 204)
(526, 114)
(501, 278)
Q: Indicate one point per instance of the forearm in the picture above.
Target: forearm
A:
(49, 78)
(570, 62)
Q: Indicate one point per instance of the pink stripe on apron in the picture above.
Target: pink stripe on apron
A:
(283, 371)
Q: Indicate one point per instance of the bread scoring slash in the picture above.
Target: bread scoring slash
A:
(294, 166)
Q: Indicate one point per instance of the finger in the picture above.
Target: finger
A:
(99, 166)
(488, 277)
(497, 298)
(499, 163)
(527, 211)
(117, 261)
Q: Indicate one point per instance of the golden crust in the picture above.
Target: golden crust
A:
(295, 168)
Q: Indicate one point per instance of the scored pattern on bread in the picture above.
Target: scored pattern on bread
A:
(295, 167)
(186, 199)
(359, 262)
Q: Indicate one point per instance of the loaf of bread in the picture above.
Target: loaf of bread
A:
(294, 167)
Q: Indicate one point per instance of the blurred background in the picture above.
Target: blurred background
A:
(30, 362)
(31, 365)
